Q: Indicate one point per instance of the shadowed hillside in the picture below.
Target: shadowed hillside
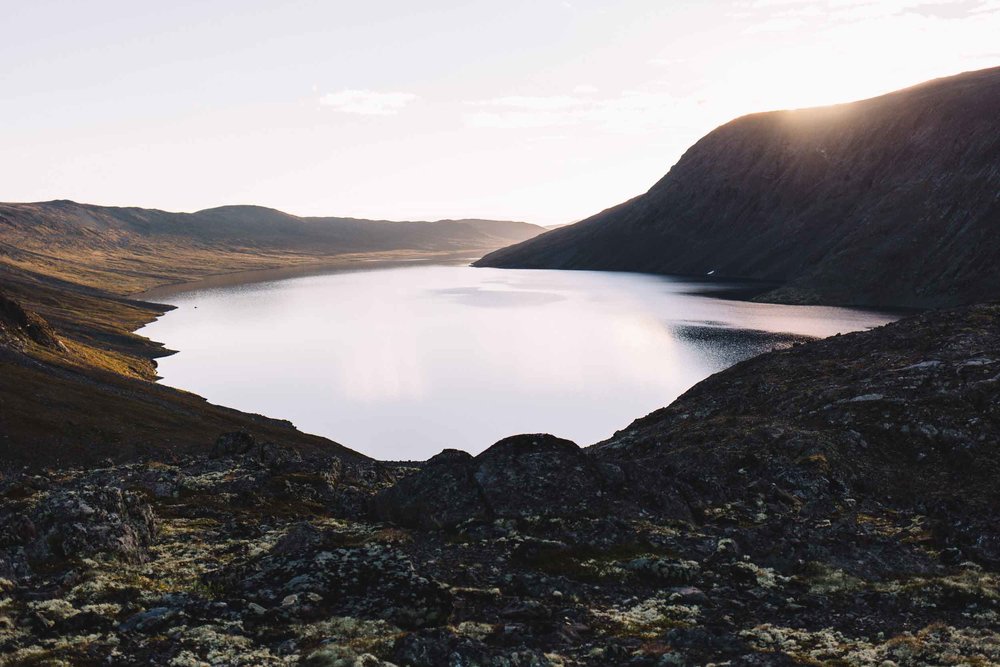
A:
(890, 201)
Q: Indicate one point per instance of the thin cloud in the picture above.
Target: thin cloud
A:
(367, 102)
(538, 103)
(777, 11)
(666, 62)
(988, 7)
(952, 10)
(777, 24)
(629, 112)
(521, 111)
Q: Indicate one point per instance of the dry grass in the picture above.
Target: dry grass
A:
(95, 399)
(73, 265)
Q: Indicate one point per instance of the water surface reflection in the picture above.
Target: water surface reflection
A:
(401, 363)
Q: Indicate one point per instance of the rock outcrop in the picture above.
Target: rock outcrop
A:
(524, 475)
(832, 503)
(905, 416)
(19, 326)
(890, 201)
(48, 525)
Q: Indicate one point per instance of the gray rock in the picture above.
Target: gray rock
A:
(443, 493)
(232, 444)
(79, 523)
(524, 475)
(150, 620)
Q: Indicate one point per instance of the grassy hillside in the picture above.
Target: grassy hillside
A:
(78, 386)
(128, 250)
(84, 391)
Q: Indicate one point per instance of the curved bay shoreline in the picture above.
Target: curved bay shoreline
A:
(401, 362)
(829, 503)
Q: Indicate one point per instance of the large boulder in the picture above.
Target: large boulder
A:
(232, 444)
(19, 326)
(524, 475)
(65, 524)
(539, 475)
(442, 494)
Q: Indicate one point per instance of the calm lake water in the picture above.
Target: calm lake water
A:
(401, 363)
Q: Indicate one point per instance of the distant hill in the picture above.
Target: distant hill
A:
(129, 249)
(891, 201)
(77, 385)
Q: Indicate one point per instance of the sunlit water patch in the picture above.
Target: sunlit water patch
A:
(401, 363)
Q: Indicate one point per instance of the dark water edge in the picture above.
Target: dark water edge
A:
(400, 363)
(731, 346)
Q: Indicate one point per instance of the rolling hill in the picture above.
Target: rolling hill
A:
(132, 249)
(77, 386)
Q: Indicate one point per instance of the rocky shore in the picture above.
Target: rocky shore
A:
(832, 503)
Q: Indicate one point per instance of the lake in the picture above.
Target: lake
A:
(400, 363)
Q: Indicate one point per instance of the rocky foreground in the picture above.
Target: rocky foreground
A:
(833, 503)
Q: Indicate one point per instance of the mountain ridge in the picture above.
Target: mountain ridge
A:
(889, 201)
(77, 385)
(131, 249)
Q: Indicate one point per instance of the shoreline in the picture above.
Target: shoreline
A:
(155, 297)
(740, 333)
(333, 265)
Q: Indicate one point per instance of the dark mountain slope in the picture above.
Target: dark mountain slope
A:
(891, 201)
(131, 249)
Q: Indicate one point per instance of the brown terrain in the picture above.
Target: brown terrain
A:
(832, 503)
(76, 385)
(829, 504)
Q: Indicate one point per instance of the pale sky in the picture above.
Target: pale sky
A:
(543, 110)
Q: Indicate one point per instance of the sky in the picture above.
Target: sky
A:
(544, 110)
